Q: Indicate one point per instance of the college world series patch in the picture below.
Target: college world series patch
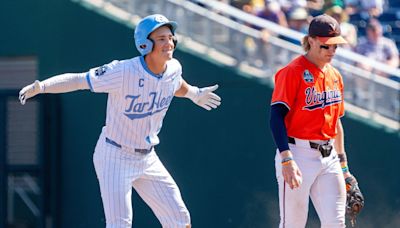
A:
(101, 70)
(308, 77)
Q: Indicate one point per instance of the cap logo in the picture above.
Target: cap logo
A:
(333, 31)
(160, 19)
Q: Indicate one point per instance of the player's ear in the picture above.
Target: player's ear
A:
(310, 40)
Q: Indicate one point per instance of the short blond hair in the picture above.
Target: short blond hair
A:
(306, 45)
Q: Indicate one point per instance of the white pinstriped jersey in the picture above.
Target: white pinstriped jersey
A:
(137, 99)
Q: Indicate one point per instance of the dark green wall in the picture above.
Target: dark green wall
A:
(222, 160)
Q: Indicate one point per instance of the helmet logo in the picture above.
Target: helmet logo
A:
(160, 19)
(143, 46)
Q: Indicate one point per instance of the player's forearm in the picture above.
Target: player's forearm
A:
(64, 83)
(339, 147)
(58, 84)
(339, 139)
(182, 91)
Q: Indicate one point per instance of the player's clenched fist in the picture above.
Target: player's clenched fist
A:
(30, 91)
(204, 97)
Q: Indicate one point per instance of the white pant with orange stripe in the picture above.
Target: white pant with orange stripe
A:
(322, 181)
(118, 170)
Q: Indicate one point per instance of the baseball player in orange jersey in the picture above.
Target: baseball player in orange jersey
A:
(306, 107)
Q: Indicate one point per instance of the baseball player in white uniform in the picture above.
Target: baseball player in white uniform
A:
(140, 91)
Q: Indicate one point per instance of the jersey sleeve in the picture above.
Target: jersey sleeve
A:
(286, 85)
(106, 78)
(177, 74)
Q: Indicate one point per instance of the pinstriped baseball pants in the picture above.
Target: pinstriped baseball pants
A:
(118, 170)
(323, 181)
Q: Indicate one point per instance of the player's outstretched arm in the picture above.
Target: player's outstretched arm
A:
(58, 84)
(203, 97)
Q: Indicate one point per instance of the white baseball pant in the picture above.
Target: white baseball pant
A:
(118, 170)
(323, 181)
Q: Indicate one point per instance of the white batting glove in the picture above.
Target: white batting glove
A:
(204, 97)
(30, 91)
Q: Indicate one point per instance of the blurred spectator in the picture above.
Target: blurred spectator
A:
(272, 12)
(315, 7)
(348, 30)
(239, 3)
(373, 7)
(249, 6)
(290, 5)
(257, 5)
(375, 46)
(331, 3)
(298, 20)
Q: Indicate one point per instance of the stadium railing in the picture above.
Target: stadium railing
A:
(232, 37)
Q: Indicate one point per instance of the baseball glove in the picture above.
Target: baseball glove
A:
(355, 199)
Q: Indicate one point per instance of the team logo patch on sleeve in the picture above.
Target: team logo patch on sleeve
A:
(308, 77)
(101, 70)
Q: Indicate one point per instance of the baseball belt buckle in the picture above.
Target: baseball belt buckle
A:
(325, 150)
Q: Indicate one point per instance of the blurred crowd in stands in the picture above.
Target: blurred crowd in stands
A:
(371, 27)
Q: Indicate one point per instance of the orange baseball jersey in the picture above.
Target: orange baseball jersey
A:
(314, 99)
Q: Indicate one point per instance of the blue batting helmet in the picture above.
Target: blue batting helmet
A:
(146, 26)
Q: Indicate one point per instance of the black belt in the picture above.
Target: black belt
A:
(312, 144)
(143, 151)
(325, 149)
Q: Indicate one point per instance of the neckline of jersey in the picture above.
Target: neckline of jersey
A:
(146, 68)
(311, 64)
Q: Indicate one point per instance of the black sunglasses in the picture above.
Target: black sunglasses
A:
(326, 47)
